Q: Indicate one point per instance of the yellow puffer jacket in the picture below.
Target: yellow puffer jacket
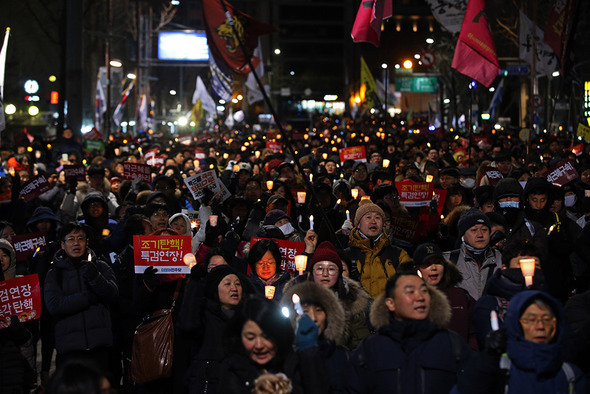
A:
(378, 264)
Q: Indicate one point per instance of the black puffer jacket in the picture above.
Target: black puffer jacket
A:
(79, 304)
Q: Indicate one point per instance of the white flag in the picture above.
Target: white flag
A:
(101, 105)
(143, 111)
(206, 99)
(2, 68)
(546, 60)
(254, 94)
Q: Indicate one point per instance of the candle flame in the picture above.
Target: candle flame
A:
(419, 273)
(295, 299)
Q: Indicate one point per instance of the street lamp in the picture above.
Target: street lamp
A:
(116, 63)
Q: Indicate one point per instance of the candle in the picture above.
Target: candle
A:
(269, 292)
(355, 193)
(213, 220)
(324, 156)
(236, 168)
(225, 156)
(190, 260)
(347, 214)
(311, 222)
(89, 257)
(527, 266)
(106, 232)
(38, 154)
(429, 178)
(269, 185)
(36, 251)
(301, 197)
(257, 154)
(300, 263)
(297, 304)
(494, 321)
(386, 163)
(117, 151)
(419, 273)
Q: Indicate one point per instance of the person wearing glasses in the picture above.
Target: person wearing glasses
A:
(325, 269)
(264, 260)
(78, 290)
(528, 355)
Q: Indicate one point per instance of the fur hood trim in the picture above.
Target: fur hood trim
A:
(312, 293)
(440, 309)
(357, 300)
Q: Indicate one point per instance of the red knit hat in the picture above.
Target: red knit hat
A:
(325, 252)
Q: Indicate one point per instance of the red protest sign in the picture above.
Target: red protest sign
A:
(406, 228)
(20, 296)
(165, 252)
(150, 155)
(133, 171)
(76, 172)
(494, 176)
(26, 244)
(34, 188)
(415, 194)
(289, 249)
(562, 172)
(275, 147)
(440, 195)
(356, 153)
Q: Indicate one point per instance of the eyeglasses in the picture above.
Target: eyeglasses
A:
(534, 321)
(265, 264)
(160, 214)
(320, 270)
(75, 239)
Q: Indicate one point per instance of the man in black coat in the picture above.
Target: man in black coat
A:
(78, 290)
(411, 352)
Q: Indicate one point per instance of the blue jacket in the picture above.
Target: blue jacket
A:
(80, 305)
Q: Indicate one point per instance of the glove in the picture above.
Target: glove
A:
(89, 271)
(347, 225)
(150, 279)
(17, 331)
(495, 344)
(306, 333)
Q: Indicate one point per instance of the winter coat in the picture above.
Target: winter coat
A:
(501, 287)
(71, 204)
(341, 376)
(278, 281)
(79, 305)
(417, 356)
(374, 261)
(475, 276)
(534, 367)
(577, 313)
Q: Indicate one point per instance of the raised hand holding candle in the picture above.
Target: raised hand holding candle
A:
(347, 214)
(300, 263)
(527, 266)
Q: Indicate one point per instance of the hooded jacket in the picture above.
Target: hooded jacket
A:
(417, 356)
(374, 261)
(79, 303)
(71, 204)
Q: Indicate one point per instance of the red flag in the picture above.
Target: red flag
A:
(222, 39)
(475, 54)
(367, 25)
(559, 25)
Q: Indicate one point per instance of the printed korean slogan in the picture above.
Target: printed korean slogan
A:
(133, 171)
(76, 172)
(562, 172)
(415, 194)
(356, 153)
(25, 245)
(164, 252)
(206, 180)
(34, 188)
(20, 296)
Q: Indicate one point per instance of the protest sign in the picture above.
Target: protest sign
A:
(415, 194)
(289, 249)
(440, 195)
(34, 188)
(25, 245)
(584, 132)
(406, 229)
(275, 147)
(494, 176)
(133, 171)
(20, 296)
(356, 153)
(562, 172)
(206, 180)
(76, 172)
(165, 252)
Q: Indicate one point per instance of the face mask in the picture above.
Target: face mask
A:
(569, 201)
(287, 228)
(508, 204)
(468, 183)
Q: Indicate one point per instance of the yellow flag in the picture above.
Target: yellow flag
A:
(369, 82)
(584, 132)
(197, 112)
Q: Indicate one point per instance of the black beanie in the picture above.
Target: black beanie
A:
(508, 187)
(470, 218)
(214, 277)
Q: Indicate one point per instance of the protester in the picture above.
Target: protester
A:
(264, 260)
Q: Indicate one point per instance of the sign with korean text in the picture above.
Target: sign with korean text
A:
(165, 252)
(149, 156)
(584, 132)
(494, 176)
(440, 195)
(93, 145)
(34, 188)
(25, 245)
(274, 146)
(415, 194)
(356, 153)
(562, 172)
(76, 172)
(406, 229)
(20, 296)
(289, 249)
(206, 180)
(141, 171)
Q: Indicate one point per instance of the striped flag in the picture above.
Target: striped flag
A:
(118, 113)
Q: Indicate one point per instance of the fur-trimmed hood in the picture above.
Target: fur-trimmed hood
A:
(312, 293)
(451, 275)
(357, 300)
(440, 309)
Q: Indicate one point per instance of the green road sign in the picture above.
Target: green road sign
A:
(416, 84)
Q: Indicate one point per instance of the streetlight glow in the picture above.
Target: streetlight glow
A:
(116, 63)
(384, 66)
(131, 76)
(172, 92)
(10, 109)
(33, 111)
(277, 51)
(407, 64)
(430, 41)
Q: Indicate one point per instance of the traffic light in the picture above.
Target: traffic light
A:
(54, 98)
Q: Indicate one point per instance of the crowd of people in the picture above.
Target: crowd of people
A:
(395, 297)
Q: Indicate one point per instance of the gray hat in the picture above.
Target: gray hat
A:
(470, 218)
